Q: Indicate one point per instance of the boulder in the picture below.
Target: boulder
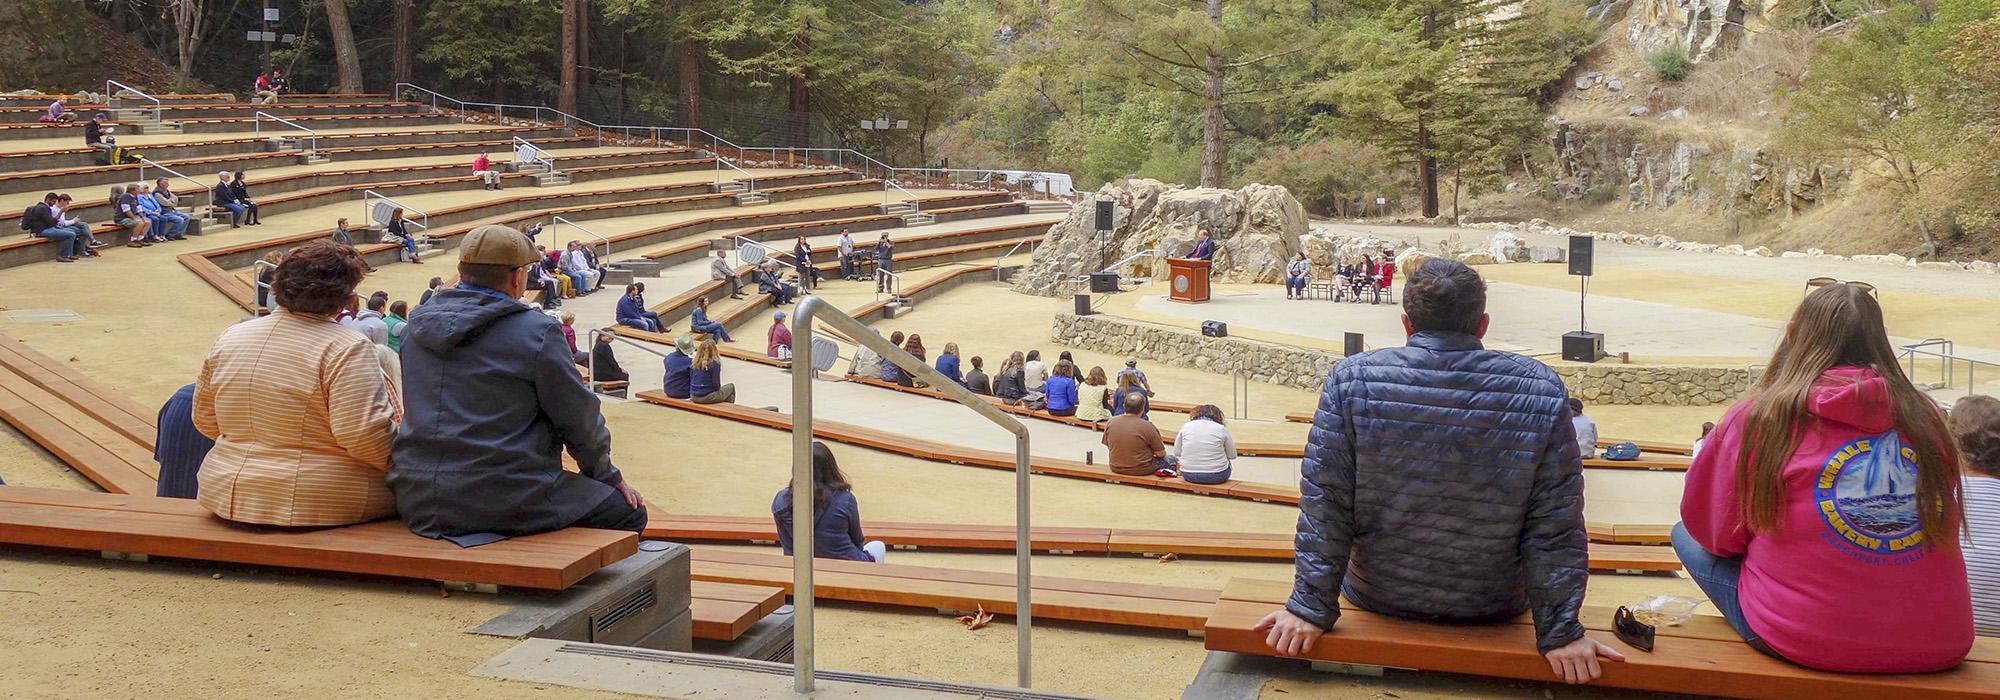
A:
(1704, 28)
(1475, 257)
(1256, 230)
(1547, 254)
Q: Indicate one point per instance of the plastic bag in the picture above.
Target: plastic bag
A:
(1665, 610)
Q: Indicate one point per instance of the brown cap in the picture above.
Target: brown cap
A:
(494, 244)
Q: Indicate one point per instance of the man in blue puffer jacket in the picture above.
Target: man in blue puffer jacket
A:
(1442, 483)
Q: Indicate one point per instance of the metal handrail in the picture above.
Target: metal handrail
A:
(1121, 263)
(208, 193)
(368, 213)
(312, 137)
(1944, 344)
(541, 156)
(1030, 243)
(1945, 359)
(257, 281)
(895, 284)
(749, 181)
(742, 241)
(581, 227)
(110, 95)
(814, 308)
(916, 204)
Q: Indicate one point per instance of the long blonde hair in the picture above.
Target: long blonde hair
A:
(704, 354)
(1013, 362)
(1841, 325)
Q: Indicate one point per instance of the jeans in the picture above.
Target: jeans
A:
(882, 282)
(1295, 284)
(712, 328)
(846, 266)
(171, 225)
(410, 246)
(645, 324)
(235, 212)
(1717, 577)
(1207, 478)
(64, 237)
(83, 234)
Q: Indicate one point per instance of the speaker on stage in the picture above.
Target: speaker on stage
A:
(1215, 329)
(1104, 211)
(1353, 345)
(1579, 254)
(1083, 305)
(1580, 346)
(1103, 282)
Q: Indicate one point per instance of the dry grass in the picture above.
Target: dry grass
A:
(1743, 82)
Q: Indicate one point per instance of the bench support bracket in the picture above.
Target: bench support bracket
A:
(466, 587)
(1348, 669)
(123, 556)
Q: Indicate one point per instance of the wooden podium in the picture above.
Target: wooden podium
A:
(1188, 279)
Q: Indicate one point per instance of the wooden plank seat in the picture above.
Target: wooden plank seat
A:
(724, 611)
(1077, 600)
(1702, 657)
(46, 178)
(180, 528)
(332, 140)
(94, 398)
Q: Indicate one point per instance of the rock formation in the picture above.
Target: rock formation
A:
(1256, 229)
(1704, 28)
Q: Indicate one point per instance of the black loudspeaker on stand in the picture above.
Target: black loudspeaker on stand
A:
(1581, 345)
(1352, 344)
(1104, 212)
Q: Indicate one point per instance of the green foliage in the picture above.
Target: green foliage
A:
(502, 45)
(1331, 177)
(1669, 62)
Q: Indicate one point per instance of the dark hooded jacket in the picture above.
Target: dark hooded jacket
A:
(1442, 482)
(491, 397)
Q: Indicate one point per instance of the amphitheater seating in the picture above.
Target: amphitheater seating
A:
(724, 611)
(172, 527)
(98, 433)
(1703, 657)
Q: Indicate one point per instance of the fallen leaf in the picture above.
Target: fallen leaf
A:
(1170, 556)
(976, 620)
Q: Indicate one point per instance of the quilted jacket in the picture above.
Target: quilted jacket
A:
(1442, 482)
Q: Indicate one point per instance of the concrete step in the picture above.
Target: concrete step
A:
(614, 276)
(160, 128)
(530, 167)
(282, 143)
(1047, 206)
(899, 208)
(557, 179)
(314, 158)
(639, 267)
(132, 116)
(746, 199)
(918, 219)
(729, 187)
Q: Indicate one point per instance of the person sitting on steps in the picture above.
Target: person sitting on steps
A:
(482, 168)
(90, 244)
(1093, 398)
(778, 340)
(947, 364)
(705, 375)
(128, 213)
(632, 311)
(604, 365)
(1061, 390)
(1203, 449)
(720, 270)
(399, 232)
(915, 346)
(976, 380)
(679, 365)
(1133, 446)
(170, 209)
(239, 189)
(1010, 384)
(1975, 425)
(836, 515)
(698, 322)
(768, 282)
(40, 221)
(890, 372)
(223, 195)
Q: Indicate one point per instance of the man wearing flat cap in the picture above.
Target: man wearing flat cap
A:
(491, 398)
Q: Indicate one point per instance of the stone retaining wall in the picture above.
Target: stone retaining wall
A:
(1306, 368)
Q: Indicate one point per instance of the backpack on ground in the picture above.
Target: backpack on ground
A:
(1622, 452)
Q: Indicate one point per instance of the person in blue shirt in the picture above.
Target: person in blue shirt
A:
(705, 376)
(1061, 390)
(890, 372)
(632, 311)
(836, 515)
(678, 363)
(699, 322)
(947, 363)
(180, 448)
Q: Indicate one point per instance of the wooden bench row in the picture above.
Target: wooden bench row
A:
(1703, 656)
(1645, 446)
(55, 407)
(724, 611)
(1269, 546)
(87, 175)
(182, 149)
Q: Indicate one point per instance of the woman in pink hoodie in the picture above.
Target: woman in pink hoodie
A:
(1822, 516)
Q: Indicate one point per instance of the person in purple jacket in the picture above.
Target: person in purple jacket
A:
(836, 515)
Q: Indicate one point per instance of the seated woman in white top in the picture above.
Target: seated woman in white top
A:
(1975, 424)
(1205, 447)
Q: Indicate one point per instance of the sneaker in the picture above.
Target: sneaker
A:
(61, 259)
(98, 244)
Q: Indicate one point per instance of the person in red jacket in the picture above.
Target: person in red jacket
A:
(482, 166)
(1822, 516)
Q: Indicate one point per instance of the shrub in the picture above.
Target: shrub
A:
(1669, 62)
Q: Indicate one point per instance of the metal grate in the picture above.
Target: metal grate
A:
(43, 315)
(633, 604)
(778, 669)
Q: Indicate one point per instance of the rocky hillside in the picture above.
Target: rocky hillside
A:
(59, 46)
(1256, 230)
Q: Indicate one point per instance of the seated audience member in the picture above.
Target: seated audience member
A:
(679, 367)
(836, 515)
(1975, 424)
(866, 363)
(698, 322)
(61, 211)
(1138, 375)
(482, 168)
(1362, 279)
(170, 210)
(164, 227)
(1706, 428)
(267, 276)
(492, 400)
(548, 292)
(1343, 281)
(1128, 386)
(97, 137)
(915, 346)
(1372, 510)
(1806, 572)
(263, 89)
(1061, 390)
(1204, 448)
(222, 195)
(1011, 382)
(1385, 273)
(398, 231)
(768, 282)
(802, 261)
(705, 375)
(41, 219)
(399, 316)
(604, 365)
(947, 364)
(430, 290)
(719, 270)
(239, 188)
(778, 340)
(577, 266)
(1093, 399)
(1586, 430)
(179, 447)
(1132, 444)
(568, 321)
(130, 213)
(1034, 373)
(632, 311)
(1065, 356)
(1298, 272)
(890, 372)
(370, 321)
(299, 408)
(56, 113)
(976, 379)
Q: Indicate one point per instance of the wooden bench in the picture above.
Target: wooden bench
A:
(1077, 600)
(724, 611)
(180, 528)
(1702, 657)
(1271, 546)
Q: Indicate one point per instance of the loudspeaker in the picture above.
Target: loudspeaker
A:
(1103, 282)
(1579, 346)
(1353, 345)
(1579, 254)
(1104, 211)
(1215, 329)
(1083, 305)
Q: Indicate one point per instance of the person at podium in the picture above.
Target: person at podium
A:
(1204, 247)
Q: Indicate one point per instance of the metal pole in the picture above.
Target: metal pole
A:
(802, 502)
(1024, 615)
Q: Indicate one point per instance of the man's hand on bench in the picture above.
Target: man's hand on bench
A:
(1576, 662)
(1288, 634)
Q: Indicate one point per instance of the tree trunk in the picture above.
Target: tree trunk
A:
(403, 46)
(1211, 109)
(1457, 175)
(798, 113)
(346, 59)
(1427, 176)
(566, 83)
(190, 17)
(582, 53)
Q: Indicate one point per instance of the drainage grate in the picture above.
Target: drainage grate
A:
(633, 604)
(777, 669)
(43, 315)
